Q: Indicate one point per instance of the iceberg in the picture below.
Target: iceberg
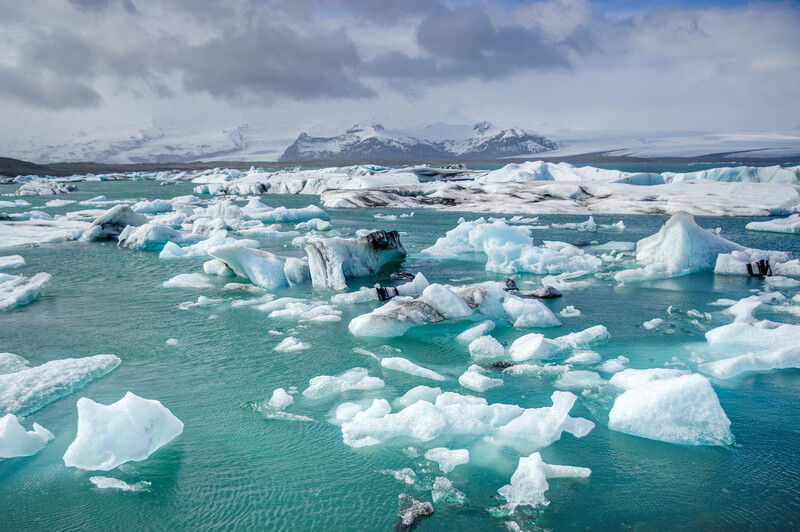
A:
(743, 348)
(112, 222)
(486, 348)
(291, 344)
(452, 415)
(152, 237)
(16, 441)
(11, 262)
(474, 379)
(394, 318)
(333, 260)
(105, 483)
(44, 187)
(30, 389)
(353, 379)
(172, 250)
(280, 399)
(406, 366)
(262, 268)
(131, 429)
(683, 410)
(419, 393)
(789, 225)
(188, 280)
(476, 331)
(445, 302)
(446, 458)
(16, 291)
(524, 313)
(578, 380)
(680, 247)
(536, 346)
(529, 481)
(32, 232)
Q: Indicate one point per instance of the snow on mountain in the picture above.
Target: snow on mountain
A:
(376, 142)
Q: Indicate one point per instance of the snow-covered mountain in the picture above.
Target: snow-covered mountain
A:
(483, 141)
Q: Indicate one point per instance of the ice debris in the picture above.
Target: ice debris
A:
(486, 348)
(112, 222)
(131, 429)
(406, 366)
(536, 346)
(474, 379)
(410, 513)
(188, 280)
(280, 399)
(790, 225)
(291, 344)
(10, 262)
(446, 458)
(741, 348)
(105, 483)
(16, 291)
(353, 379)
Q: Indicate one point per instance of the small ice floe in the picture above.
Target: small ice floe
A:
(486, 348)
(131, 429)
(447, 459)
(406, 366)
(353, 379)
(188, 280)
(108, 483)
(16, 441)
(474, 379)
(536, 346)
(16, 291)
(290, 344)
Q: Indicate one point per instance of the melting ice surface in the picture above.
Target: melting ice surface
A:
(470, 399)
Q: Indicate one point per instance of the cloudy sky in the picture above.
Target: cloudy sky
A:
(286, 66)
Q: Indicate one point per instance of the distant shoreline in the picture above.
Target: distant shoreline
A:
(10, 168)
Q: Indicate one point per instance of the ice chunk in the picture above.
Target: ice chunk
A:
(333, 260)
(486, 348)
(291, 344)
(578, 380)
(781, 225)
(394, 318)
(683, 410)
(444, 491)
(112, 222)
(156, 206)
(535, 345)
(14, 204)
(10, 262)
(406, 366)
(410, 513)
(446, 458)
(614, 365)
(152, 237)
(30, 389)
(280, 399)
(188, 280)
(583, 357)
(529, 481)
(16, 441)
(474, 379)
(16, 291)
(632, 378)
(529, 313)
(174, 251)
(569, 312)
(32, 232)
(473, 333)
(680, 247)
(314, 224)
(445, 302)
(44, 187)
(652, 324)
(10, 363)
(105, 483)
(131, 429)
(735, 262)
(353, 379)
(218, 267)
(419, 393)
(455, 415)
(742, 347)
(264, 269)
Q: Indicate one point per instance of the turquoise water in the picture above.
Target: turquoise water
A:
(234, 468)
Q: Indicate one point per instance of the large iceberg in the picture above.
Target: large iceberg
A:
(529, 481)
(30, 389)
(16, 291)
(16, 441)
(742, 348)
(680, 247)
(683, 410)
(131, 429)
(332, 260)
(262, 268)
(111, 223)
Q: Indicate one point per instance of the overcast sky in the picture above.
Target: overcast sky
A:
(296, 65)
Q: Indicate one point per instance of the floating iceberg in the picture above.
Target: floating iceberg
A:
(353, 379)
(536, 346)
(529, 481)
(744, 348)
(16, 441)
(32, 232)
(30, 389)
(10, 262)
(333, 260)
(16, 291)
(111, 223)
(683, 410)
(280, 399)
(473, 333)
(44, 187)
(446, 458)
(486, 348)
(152, 237)
(453, 415)
(419, 393)
(781, 225)
(406, 366)
(188, 280)
(172, 250)
(131, 429)
(263, 268)
(291, 344)
(578, 380)
(105, 483)
(394, 318)
(474, 379)
(680, 247)
(736, 262)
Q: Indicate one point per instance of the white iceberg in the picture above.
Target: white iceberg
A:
(446, 458)
(406, 366)
(30, 389)
(112, 222)
(789, 225)
(486, 348)
(10, 262)
(16, 291)
(16, 441)
(474, 379)
(188, 280)
(683, 410)
(742, 348)
(131, 429)
(291, 344)
(106, 483)
(353, 379)
(262, 268)
(529, 481)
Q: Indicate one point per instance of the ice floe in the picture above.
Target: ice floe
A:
(111, 223)
(131, 429)
(11, 262)
(106, 483)
(16, 441)
(790, 225)
(291, 344)
(406, 366)
(188, 280)
(16, 291)
(682, 409)
(474, 379)
(447, 459)
(353, 379)
(742, 348)
(29, 389)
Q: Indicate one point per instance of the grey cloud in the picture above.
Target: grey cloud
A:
(49, 91)
(100, 5)
(61, 52)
